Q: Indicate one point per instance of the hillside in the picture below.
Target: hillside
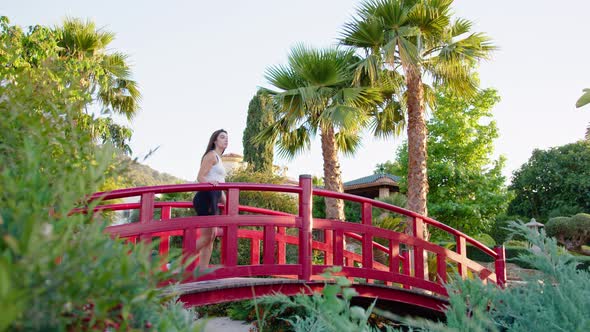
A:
(139, 175)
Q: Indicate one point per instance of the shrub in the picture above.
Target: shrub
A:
(572, 232)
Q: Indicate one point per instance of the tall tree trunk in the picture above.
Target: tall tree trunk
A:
(332, 174)
(417, 136)
(417, 153)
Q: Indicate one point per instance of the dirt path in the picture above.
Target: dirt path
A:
(224, 324)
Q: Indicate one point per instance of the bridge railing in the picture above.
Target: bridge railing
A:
(401, 256)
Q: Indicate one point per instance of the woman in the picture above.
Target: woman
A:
(206, 202)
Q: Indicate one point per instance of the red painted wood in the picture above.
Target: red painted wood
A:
(329, 241)
(338, 248)
(461, 250)
(269, 245)
(500, 265)
(441, 268)
(189, 248)
(247, 292)
(394, 258)
(281, 245)
(230, 246)
(254, 252)
(146, 214)
(275, 238)
(164, 246)
(406, 267)
(367, 242)
(233, 201)
(305, 251)
(408, 213)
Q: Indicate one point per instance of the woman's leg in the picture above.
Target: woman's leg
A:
(205, 247)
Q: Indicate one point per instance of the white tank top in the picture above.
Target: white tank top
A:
(217, 172)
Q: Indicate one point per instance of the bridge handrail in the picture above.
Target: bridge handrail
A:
(189, 187)
(397, 209)
(303, 221)
(242, 208)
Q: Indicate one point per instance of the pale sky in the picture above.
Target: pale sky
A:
(198, 64)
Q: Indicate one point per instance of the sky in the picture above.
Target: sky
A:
(198, 64)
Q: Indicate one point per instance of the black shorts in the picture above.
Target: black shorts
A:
(206, 202)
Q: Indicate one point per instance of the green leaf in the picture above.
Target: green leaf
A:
(584, 99)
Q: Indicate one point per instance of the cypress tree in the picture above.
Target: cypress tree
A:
(259, 156)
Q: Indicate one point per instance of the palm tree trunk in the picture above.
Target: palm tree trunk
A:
(417, 135)
(332, 173)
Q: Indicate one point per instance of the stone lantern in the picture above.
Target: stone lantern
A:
(534, 225)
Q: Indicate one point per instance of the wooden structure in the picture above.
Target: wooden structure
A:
(398, 275)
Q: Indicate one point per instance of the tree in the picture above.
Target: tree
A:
(573, 232)
(315, 93)
(553, 182)
(61, 272)
(467, 188)
(78, 48)
(260, 115)
(417, 39)
(107, 75)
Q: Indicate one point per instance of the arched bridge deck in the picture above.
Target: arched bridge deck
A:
(381, 263)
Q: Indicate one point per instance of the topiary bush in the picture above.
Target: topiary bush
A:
(573, 232)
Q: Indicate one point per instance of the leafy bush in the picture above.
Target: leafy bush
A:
(572, 232)
(555, 299)
(329, 310)
(60, 272)
(261, 199)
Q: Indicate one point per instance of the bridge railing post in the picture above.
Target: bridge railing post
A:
(367, 219)
(418, 229)
(461, 249)
(164, 246)
(146, 213)
(305, 213)
(229, 242)
(500, 266)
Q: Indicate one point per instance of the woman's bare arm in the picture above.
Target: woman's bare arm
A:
(208, 162)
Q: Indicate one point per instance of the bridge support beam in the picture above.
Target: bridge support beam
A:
(305, 213)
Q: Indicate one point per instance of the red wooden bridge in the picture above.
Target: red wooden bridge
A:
(381, 263)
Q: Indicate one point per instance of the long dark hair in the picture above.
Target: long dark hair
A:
(211, 145)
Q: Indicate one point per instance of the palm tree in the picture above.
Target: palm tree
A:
(315, 94)
(106, 75)
(417, 40)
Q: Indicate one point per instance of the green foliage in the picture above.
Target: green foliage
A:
(584, 99)
(329, 310)
(60, 272)
(556, 299)
(136, 174)
(499, 230)
(572, 232)
(258, 155)
(267, 200)
(553, 182)
(96, 77)
(467, 188)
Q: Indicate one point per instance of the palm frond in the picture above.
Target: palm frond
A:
(116, 64)
(389, 120)
(459, 27)
(584, 99)
(348, 142)
(283, 77)
(343, 116)
(291, 143)
(367, 34)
